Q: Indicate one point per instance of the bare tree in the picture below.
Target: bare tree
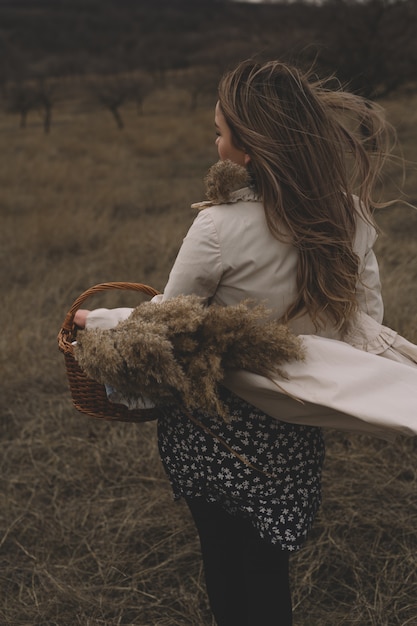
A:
(200, 82)
(140, 88)
(371, 45)
(21, 98)
(46, 94)
(112, 93)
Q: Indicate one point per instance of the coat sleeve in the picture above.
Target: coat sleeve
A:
(368, 289)
(106, 318)
(198, 267)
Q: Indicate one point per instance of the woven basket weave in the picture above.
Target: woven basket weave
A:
(88, 396)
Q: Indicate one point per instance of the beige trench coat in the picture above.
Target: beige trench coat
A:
(228, 255)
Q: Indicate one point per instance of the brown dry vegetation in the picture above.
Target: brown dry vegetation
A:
(88, 532)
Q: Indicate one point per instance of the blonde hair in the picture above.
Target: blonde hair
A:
(307, 162)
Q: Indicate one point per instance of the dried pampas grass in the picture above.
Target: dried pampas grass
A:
(178, 351)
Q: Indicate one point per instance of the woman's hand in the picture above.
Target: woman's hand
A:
(80, 318)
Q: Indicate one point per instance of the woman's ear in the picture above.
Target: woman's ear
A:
(247, 158)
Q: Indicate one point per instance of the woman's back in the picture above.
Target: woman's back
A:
(230, 255)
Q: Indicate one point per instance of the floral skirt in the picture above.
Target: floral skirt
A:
(251, 464)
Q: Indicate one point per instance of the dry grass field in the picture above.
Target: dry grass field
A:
(89, 535)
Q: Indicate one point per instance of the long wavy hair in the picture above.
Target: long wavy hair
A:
(311, 150)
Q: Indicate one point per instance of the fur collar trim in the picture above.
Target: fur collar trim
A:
(226, 183)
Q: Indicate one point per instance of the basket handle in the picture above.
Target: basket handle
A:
(68, 324)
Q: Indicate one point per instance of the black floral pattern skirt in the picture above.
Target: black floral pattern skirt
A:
(252, 464)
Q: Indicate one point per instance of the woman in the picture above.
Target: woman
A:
(296, 237)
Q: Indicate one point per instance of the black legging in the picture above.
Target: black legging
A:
(247, 578)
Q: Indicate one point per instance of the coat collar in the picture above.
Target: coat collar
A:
(226, 183)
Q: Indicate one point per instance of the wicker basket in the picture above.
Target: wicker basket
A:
(88, 396)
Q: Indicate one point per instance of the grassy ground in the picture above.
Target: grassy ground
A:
(88, 532)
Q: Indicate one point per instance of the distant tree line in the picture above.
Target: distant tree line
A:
(122, 49)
